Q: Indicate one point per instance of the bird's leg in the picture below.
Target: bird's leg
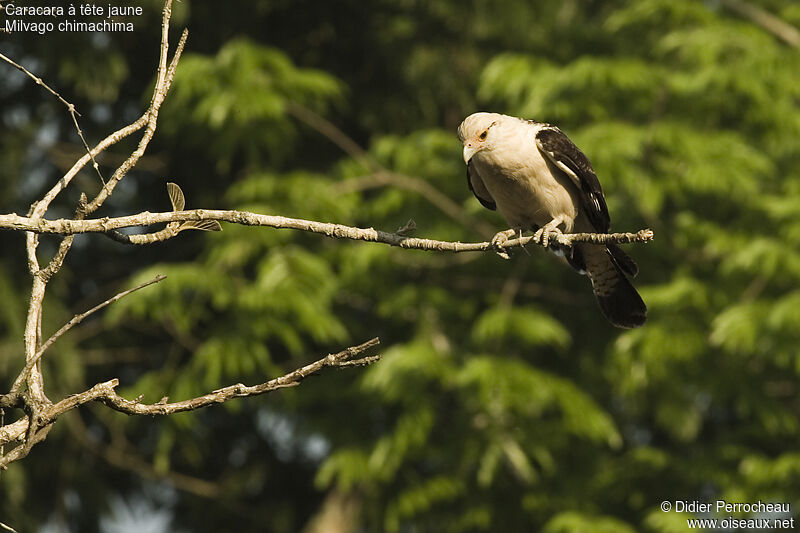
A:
(543, 235)
(500, 238)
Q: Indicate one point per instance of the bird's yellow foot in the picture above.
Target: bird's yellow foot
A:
(542, 236)
(500, 239)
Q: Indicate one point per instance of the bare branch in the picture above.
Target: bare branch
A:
(162, 86)
(8, 528)
(104, 225)
(568, 239)
(774, 25)
(173, 228)
(41, 206)
(32, 337)
(292, 379)
(77, 319)
(35, 401)
(149, 119)
(105, 393)
(163, 83)
(31, 438)
(364, 361)
(13, 432)
(64, 246)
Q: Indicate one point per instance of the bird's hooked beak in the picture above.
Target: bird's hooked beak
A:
(470, 149)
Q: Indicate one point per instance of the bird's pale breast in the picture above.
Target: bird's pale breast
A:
(528, 190)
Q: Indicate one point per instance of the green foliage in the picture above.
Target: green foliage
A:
(417, 500)
(529, 327)
(514, 388)
(241, 96)
(662, 522)
(573, 522)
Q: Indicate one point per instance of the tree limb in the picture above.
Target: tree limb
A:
(103, 225)
(292, 379)
(106, 394)
(36, 403)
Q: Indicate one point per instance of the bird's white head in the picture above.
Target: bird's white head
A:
(475, 133)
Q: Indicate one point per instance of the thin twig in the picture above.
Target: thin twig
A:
(364, 361)
(8, 528)
(41, 206)
(292, 379)
(163, 83)
(64, 246)
(77, 319)
(70, 107)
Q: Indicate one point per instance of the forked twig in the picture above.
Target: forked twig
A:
(106, 394)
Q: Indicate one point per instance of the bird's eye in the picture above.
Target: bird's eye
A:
(483, 135)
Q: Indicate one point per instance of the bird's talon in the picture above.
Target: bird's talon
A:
(499, 240)
(542, 236)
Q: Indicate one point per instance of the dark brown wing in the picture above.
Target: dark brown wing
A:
(562, 152)
(478, 188)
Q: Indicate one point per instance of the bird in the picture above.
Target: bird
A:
(540, 181)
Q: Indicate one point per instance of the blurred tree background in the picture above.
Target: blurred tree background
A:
(504, 401)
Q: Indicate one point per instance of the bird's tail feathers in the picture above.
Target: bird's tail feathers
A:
(623, 260)
(620, 303)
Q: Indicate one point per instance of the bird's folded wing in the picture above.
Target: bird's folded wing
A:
(478, 188)
(562, 152)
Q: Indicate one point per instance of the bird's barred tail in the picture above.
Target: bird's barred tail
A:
(620, 303)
